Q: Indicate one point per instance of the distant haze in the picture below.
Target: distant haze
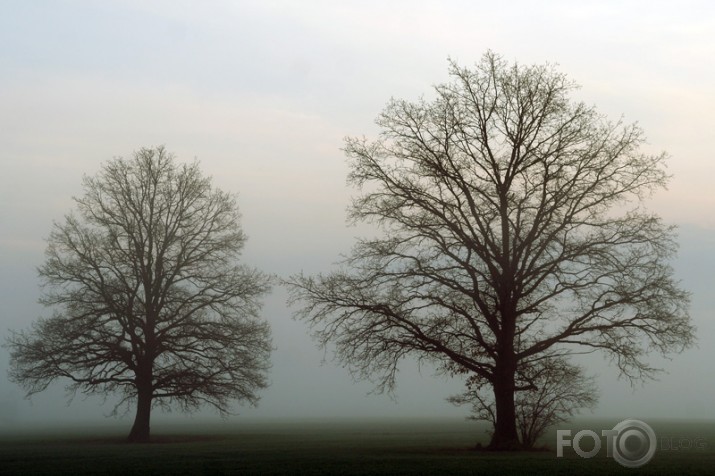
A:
(262, 93)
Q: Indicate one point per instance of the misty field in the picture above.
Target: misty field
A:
(332, 447)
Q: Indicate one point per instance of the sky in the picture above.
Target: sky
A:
(262, 93)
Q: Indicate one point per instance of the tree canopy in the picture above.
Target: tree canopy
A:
(515, 233)
(150, 301)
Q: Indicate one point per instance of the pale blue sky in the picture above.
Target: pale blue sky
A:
(262, 93)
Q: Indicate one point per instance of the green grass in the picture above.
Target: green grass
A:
(320, 447)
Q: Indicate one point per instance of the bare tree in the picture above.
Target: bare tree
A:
(554, 391)
(150, 300)
(508, 239)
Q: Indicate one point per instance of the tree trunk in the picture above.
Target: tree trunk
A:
(140, 429)
(505, 437)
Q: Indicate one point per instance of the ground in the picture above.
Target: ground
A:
(332, 447)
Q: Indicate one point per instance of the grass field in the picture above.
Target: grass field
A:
(334, 447)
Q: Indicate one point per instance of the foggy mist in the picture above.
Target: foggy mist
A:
(262, 93)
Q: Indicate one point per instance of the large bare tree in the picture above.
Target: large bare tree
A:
(514, 231)
(150, 301)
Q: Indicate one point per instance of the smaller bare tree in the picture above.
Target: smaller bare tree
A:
(553, 391)
(150, 300)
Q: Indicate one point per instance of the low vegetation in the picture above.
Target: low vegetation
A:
(329, 447)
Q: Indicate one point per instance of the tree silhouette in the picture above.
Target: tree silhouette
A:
(508, 239)
(149, 299)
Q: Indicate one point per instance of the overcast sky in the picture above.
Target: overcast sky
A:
(263, 92)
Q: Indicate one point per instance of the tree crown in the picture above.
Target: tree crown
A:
(148, 293)
(507, 242)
